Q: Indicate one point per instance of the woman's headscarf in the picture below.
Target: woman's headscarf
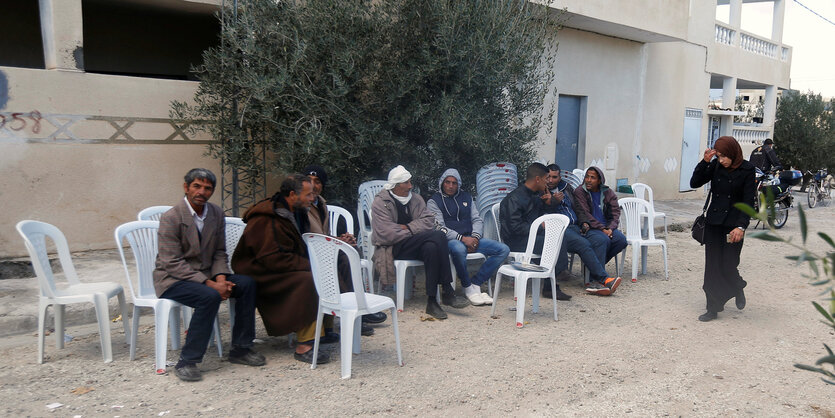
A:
(728, 147)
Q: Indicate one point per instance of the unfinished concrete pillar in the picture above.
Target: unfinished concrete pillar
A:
(63, 35)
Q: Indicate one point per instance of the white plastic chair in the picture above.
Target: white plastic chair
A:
(152, 213)
(580, 174)
(366, 192)
(234, 230)
(515, 255)
(555, 225)
(334, 214)
(142, 236)
(643, 191)
(34, 235)
(632, 209)
(349, 306)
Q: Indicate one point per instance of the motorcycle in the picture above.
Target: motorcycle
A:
(780, 185)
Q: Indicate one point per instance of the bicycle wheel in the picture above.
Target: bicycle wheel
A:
(812, 195)
(781, 215)
(827, 190)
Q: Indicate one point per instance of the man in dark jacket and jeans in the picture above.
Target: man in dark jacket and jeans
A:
(598, 214)
(519, 209)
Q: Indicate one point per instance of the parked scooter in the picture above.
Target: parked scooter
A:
(780, 184)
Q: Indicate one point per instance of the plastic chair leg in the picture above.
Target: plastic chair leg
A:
(666, 272)
(231, 305)
(162, 318)
(319, 318)
(554, 292)
(396, 336)
(42, 306)
(536, 292)
(58, 314)
(401, 288)
(103, 317)
(174, 326)
(134, 327)
(348, 328)
(636, 254)
(124, 308)
(496, 293)
(519, 290)
(217, 339)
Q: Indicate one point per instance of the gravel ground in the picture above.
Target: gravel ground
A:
(640, 352)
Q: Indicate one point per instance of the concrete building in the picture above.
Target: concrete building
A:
(633, 86)
(86, 139)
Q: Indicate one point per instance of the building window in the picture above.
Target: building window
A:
(20, 35)
(148, 38)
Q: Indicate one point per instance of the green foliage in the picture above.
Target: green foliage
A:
(362, 86)
(821, 272)
(804, 133)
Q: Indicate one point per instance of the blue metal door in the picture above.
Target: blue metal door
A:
(568, 132)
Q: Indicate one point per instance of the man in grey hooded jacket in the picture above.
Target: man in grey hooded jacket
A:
(458, 218)
(404, 229)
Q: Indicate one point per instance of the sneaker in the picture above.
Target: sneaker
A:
(708, 316)
(473, 293)
(188, 373)
(612, 283)
(740, 299)
(435, 310)
(454, 300)
(486, 299)
(307, 357)
(598, 288)
(248, 358)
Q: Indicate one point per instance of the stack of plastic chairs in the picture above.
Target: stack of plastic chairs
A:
(571, 178)
(493, 182)
(366, 192)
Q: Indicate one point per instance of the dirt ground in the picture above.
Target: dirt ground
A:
(640, 352)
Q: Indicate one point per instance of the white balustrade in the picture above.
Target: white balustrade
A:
(750, 135)
(724, 34)
(757, 45)
(784, 55)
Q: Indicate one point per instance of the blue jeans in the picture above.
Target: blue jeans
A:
(574, 242)
(496, 254)
(206, 302)
(605, 247)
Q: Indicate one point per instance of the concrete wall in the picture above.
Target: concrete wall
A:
(88, 189)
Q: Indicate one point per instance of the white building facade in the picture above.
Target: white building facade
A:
(633, 87)
(86, 138)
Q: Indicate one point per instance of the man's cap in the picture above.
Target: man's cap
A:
(318, 171)
(397, 175)
(768, 141)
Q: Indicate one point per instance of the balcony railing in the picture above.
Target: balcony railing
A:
(750, 135)
(757, 45)
(724, 34)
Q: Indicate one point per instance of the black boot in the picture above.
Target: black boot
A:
(740, 299)
(708, 316)
(435, 310)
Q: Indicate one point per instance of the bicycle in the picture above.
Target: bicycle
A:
(820, 188)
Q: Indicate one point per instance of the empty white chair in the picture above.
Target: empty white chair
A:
(349, 306)
(555, 225)
(34, 235)
(632, 211)
(152, 213)
(335, 213)
(142, 236)
(643, 191)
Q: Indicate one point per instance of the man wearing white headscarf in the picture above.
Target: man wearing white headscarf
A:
(404, 229)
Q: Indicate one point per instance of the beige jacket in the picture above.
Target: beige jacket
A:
(387, 232)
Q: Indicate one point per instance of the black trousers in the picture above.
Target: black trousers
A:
(430, 247)
(722, 280)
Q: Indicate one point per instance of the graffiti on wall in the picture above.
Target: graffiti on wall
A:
(17, 121)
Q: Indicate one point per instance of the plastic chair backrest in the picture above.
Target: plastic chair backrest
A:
(336, 212)
(366, 191)
(234, 230)
(580, 173)
(34, 235)
(496, 209)
(631, 210)
(152, 213)
(555, 225)
(571, 179)
(642, 191)
(324, 252)
(143, 238)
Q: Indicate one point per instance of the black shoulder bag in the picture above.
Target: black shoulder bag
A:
(698, 229)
